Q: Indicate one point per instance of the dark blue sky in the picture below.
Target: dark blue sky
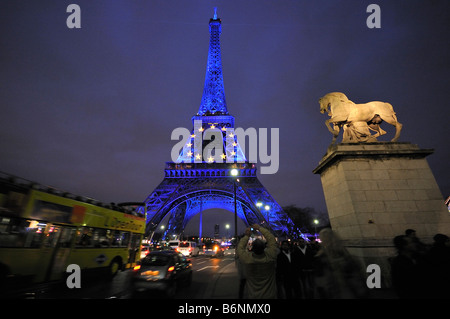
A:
(91, 110)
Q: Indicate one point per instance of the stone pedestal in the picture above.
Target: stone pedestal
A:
(375, 191)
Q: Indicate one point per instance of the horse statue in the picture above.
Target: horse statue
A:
(358, 120)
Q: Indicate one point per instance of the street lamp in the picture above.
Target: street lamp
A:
(162, 227)
(234, 172)
(267, 208)
(316, 222)
(227, 227)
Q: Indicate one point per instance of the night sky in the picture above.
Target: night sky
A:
(91, 110)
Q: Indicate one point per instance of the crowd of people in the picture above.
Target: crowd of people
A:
(311, 270)
(420, 270)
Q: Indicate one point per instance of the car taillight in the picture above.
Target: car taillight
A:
(137, 267)
(169, 271)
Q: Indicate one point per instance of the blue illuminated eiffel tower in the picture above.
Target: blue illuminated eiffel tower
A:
(201, 177)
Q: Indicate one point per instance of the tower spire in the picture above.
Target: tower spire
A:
(213, 99)
(213, 115)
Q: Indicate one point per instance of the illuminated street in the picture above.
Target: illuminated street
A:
(212, 278)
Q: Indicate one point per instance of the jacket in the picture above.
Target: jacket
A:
(260, 269)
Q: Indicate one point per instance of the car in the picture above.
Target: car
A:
(188, 248)
(213, 249)
(173, 244)
(145, 249)
(161, 271)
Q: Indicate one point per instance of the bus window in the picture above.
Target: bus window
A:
(121, 238)
(52, 236)
(84, 237)
(18, 232)
(99, 237)
(90, 237)
(104, 237)
(66, 237)
(58, 235)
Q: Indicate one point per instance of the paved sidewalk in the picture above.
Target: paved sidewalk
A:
(226, 285)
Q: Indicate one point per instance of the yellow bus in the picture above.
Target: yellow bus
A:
(43, 230)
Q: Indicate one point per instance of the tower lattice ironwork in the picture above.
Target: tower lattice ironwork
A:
(201, 177)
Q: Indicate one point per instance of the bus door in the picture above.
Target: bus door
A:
(58, 246)
(134, 250)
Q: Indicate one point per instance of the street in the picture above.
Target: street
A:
(209, 274)
(212, 278)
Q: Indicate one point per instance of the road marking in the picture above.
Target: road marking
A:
(207, 267)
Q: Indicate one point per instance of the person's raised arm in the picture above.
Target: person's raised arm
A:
(271, 247)
(242, 246)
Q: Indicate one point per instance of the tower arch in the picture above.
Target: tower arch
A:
(184, 208)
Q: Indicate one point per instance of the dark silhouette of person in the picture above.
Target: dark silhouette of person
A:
(421, 248)
(337, 275)
(408, 269)
(304, 264)
(438, 257)
(287, 278)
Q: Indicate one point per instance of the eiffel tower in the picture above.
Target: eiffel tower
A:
(202, 176)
